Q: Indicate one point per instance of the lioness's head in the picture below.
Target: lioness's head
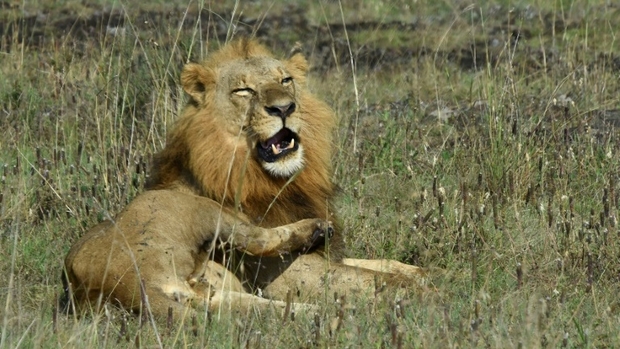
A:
(257, 97)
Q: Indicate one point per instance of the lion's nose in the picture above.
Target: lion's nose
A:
(281, 111)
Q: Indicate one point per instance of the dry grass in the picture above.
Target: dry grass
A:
(486, 146)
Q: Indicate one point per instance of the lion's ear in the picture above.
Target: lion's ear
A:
(196, 80)
(298, 65)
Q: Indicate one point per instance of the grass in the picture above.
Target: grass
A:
(486, 150)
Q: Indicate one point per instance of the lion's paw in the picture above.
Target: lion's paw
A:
(322, 232)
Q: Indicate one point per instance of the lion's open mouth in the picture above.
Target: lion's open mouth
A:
(281, 144)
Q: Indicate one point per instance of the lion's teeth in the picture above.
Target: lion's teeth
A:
(292, 144)
(274, 149)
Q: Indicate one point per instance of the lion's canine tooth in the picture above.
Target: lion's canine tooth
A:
(292, 144)
(274, 149)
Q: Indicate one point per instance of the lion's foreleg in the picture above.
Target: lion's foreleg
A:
(299, 236)
(223, 225)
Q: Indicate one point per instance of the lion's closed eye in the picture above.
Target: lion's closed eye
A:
(244, 92)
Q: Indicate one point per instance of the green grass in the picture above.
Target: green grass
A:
(511, 201)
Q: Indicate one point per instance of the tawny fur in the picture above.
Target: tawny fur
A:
(217, 223)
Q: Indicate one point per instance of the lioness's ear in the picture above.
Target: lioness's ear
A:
(196, 80)
(298, 65)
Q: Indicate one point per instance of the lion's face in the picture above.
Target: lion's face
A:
(257, 99)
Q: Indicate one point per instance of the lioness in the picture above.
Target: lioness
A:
(239, 201)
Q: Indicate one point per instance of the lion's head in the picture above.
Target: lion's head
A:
(251, 133)
(258, 102)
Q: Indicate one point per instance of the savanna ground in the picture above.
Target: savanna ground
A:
(478, 140)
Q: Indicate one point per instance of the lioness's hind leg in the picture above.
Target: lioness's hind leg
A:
(245, 303)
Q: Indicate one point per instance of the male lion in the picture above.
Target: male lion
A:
(238, 202)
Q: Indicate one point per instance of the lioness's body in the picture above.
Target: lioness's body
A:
(157, 239)
(241, 186)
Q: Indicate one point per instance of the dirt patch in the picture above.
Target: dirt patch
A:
(329, 46)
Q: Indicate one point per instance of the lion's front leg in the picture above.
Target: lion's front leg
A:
(302, 236)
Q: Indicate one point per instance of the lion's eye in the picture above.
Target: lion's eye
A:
(287, 80)
(243, 92)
